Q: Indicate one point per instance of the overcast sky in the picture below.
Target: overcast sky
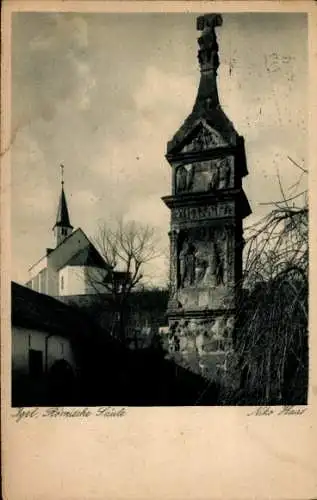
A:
(103, 93)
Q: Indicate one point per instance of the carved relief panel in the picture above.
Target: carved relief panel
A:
(202, 258)
(205, 138)
(208, 175)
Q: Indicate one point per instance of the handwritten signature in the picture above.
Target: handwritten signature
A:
(265, 411)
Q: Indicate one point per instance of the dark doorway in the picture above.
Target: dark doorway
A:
(35, 363)
(61, 383)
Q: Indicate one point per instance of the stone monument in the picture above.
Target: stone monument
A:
(207, 206)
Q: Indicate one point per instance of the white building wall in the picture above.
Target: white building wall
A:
(43, 278)
(50, 277)
(24, 339)
(80, 280)
(38, 276)
(38, 267)
(52, 281)
(72, 281)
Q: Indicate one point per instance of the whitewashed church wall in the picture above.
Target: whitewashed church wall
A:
(72, 281)
(38, 267)
(35, 275)
(46, 280)
(52, 281)
(63, 281)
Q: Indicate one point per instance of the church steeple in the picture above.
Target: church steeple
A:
(62, 227)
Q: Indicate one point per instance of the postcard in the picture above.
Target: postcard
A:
(158, 232)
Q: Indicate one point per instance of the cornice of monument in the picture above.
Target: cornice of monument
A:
(192, 200)
(207, 107)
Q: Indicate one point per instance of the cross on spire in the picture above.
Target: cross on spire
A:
(62, 173)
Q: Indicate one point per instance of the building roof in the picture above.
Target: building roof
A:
(30, 309)
(62, 216)
(88, 256)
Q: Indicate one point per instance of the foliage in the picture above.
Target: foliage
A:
(272, 333)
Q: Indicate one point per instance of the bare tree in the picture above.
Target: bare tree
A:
(126, 248)
(272, 336)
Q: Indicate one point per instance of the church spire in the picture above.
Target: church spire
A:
(62, 227)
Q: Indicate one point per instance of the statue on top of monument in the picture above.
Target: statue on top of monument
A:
(208, 51)
(208, 22)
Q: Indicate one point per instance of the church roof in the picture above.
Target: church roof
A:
(62, 216)
(88, 256)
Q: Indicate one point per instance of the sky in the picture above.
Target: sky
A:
(104, 93)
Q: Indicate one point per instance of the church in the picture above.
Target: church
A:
(74, 266)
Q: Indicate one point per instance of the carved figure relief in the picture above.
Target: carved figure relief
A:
(222, 266)
(213, 177)
(187, 264)
(210, 274)
(206, 175)
(224, 180)
(220, 176)
(224, 239)
(205, 262)
(202, 140)
(184, 178)
(181, 179)
(201, 266)
(219, 272)
(205, 139)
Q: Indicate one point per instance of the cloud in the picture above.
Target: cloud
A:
(49, 64)
(132, 165)
(165, 92)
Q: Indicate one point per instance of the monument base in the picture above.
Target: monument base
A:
(202, 344)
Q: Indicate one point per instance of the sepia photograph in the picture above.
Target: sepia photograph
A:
(159, 215)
